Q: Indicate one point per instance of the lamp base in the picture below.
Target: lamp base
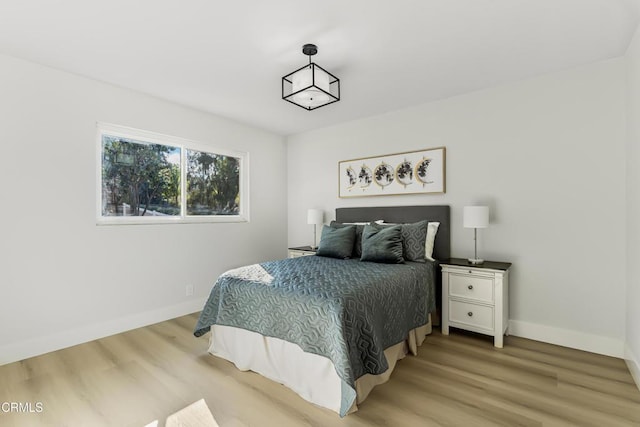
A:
(475, 261)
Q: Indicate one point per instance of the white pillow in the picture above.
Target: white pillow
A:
(432, 229)
(362, 223)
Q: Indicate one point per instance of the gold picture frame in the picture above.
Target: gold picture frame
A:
(410, 172)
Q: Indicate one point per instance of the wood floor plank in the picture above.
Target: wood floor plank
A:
(148, 374)
(544, 404)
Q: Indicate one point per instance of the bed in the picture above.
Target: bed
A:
(330, 329)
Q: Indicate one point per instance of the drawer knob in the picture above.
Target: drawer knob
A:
(470, 272)
(470, 314)
(470, 287)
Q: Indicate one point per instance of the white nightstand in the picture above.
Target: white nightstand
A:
(476, 297)
(301, 251)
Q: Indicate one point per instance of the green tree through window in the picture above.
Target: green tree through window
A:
(213, 184)
(139, 179)
(143, 178)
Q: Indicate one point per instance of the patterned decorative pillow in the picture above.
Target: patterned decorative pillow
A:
(337, 242)
(382, 244)
(414, 236)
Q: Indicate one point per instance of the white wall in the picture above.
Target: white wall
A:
(632, 348)
(65, 280)
(547, 155)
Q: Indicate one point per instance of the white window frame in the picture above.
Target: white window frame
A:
(183, 144)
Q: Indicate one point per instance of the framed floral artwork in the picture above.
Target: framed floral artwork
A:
(412, 172)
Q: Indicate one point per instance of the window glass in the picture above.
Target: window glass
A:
(145, 177)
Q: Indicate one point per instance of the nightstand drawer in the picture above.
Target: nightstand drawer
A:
(471, 287)
(469, 314)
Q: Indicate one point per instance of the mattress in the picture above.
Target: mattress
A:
(311, 376)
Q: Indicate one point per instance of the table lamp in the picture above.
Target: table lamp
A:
(476, 217)
(315, 218)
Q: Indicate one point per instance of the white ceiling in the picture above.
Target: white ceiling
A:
(228, 57)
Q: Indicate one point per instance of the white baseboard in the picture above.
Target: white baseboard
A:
(568, 338)
(41, 345)
(35, 347)
(632, 364)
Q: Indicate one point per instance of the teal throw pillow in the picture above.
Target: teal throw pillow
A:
(414, 236)
(382, 244)
(357, 246)
(337, 242)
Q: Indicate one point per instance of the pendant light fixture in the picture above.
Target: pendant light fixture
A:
(311, 86)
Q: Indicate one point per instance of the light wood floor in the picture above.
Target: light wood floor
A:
(145, 375)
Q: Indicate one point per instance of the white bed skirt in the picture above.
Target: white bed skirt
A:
(312, 376)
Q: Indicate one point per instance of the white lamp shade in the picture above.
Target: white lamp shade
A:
(305, 78)
(315, 216)
(312, 79)
(476, 216)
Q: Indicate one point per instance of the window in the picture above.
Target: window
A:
(145, 177)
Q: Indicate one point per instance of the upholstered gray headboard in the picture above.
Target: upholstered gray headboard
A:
(404, 214)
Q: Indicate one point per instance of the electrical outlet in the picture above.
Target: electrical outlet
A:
(189, 290)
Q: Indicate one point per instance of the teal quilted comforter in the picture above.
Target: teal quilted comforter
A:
(346, 310)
